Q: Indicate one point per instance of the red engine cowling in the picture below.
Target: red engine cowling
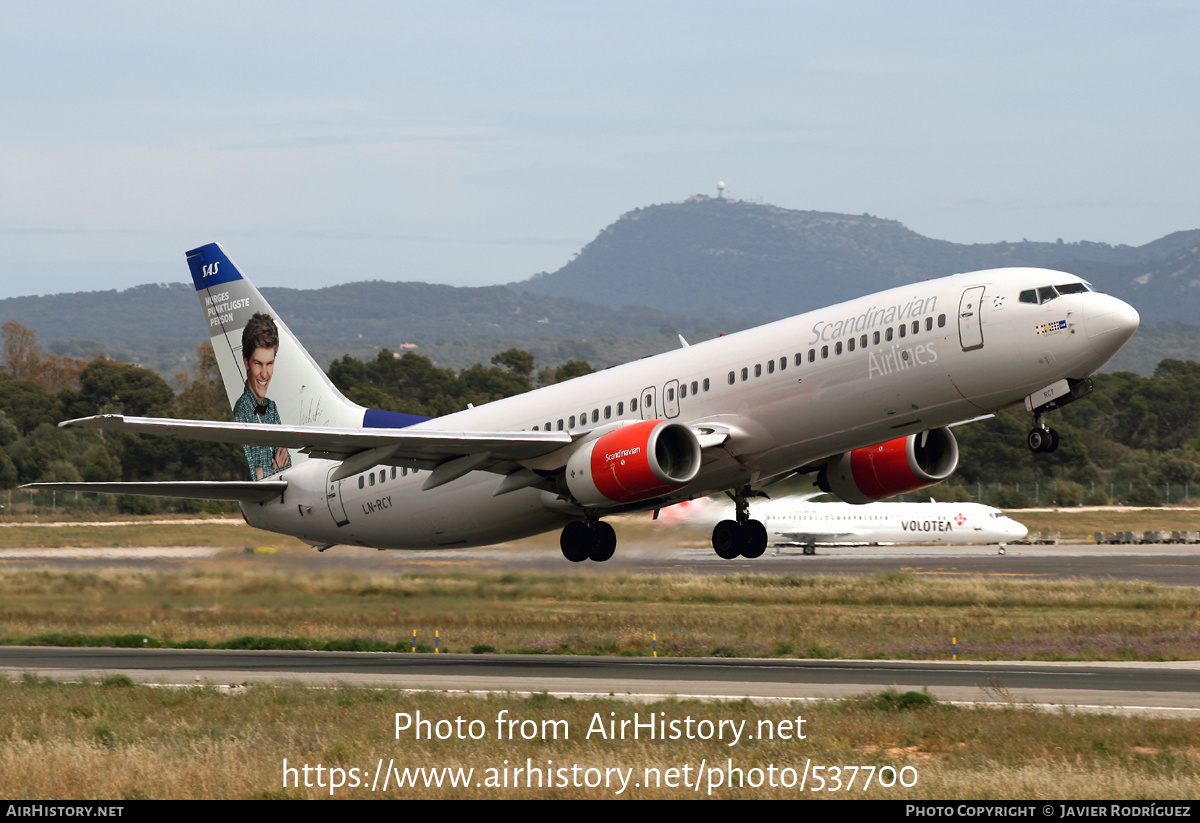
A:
(635, 462)
(887, 469)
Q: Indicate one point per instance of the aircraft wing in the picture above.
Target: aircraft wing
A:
(244, 491)
(418, 447)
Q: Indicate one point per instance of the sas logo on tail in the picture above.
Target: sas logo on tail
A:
(210, 270)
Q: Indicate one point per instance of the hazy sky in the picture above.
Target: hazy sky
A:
(478, 143)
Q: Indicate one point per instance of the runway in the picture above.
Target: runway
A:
(1165, 687)
(1170, 565)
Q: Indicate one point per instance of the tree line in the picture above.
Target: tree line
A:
(1133, 433)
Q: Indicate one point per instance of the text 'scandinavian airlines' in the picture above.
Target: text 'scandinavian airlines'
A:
(798, 521)
(860, 393)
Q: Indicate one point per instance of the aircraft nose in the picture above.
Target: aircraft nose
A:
(1017, 531)
(1109, 323)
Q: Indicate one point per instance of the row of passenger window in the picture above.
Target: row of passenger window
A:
(369, 479)
(596, 415)
(887, 335)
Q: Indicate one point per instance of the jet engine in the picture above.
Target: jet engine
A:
(887, 469)
(636, 462)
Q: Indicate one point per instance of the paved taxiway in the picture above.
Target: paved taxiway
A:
(1172, 565)
(1164, 687)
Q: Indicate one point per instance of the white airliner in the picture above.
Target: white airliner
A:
(860, 394)
(794, 521)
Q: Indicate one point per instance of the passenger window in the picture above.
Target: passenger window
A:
(799, 358)
(862, 342)
(850, 344)
(595, 415)
(535, 428)
(382, 476)
(694, 385)
(683, 391)
(393, 472)
(633, 403)
(571, 422)
(941, 321)
(745, 374)
(837, 348)
(620, 408)
(824, 352)
(372, 478)
(758, 369)
(782, 363)
(732, 379)
(875, 339)
(706, 384)
(928, 324)
(770, 367)
(916, 326)
(361, 481)
(560, 424)
(607, 412)
(812, 355)
(887, 335)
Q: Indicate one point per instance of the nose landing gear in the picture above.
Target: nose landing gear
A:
(1042, 438)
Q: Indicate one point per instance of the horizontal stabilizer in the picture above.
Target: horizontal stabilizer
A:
(243, 491)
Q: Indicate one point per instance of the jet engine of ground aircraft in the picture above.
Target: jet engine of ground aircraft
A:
(808, 393)
(884, 470)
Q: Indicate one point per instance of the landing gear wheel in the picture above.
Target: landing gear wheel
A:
(576, 541)
(1037, 440)
(1053, 444)
(810, 548)
(604, 542)
(727, 539)
(756, 539)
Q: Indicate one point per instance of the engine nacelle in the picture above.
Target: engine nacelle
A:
(897, 466)
(635, 462)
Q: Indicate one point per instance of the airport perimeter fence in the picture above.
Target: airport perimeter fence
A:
(1064, 495)
(42, 502)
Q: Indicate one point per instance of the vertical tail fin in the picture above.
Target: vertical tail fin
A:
(292, 383)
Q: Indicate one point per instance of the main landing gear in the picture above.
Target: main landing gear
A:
(588, 540)
(744, 537)
(1041, 438)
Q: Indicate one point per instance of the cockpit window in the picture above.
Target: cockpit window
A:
(1072, 288)
(1029, 296)
(1046, 294)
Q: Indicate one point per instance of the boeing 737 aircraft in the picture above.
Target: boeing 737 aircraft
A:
(795, 521)
(860, 394)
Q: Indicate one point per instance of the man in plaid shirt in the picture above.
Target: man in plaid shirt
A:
(260, 343)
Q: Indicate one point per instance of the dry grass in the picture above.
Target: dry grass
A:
(890, 615)
(116, 740)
